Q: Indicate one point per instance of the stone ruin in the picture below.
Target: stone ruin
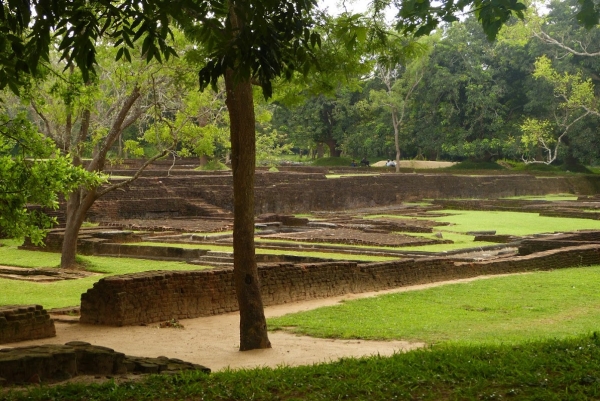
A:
(176, 206)
(52, 363)
(141, 298)
(24, 322)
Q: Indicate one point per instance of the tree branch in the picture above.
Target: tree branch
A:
(117, 128)
(135, 176)
(43, 117)
(544, 37)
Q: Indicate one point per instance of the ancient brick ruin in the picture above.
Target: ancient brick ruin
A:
(24, 322)
(186, 206)
(53, 362)
(209, 194)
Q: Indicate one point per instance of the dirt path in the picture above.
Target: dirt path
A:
(213, 341)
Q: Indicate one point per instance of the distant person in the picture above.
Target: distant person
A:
(353, 164)
(365, 162)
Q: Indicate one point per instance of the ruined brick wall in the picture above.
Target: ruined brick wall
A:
(155, 296)
(293, 192)
(24, 322)
(533, 245)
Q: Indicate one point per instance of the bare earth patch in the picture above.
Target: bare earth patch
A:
(42, 275)
(213, 341)
(418, 164)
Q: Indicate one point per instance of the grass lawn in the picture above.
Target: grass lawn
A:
(460, 241)
(351, 175)
(551, 197)
(510, 309)
(548, 370)
(68, 292)
(513, 223)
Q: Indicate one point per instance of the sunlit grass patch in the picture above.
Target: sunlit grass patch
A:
(67, 292)
(350, 175)
(510, 309)
(56, 294)
(512, 223)
(460, 241)
(393, 216)
(550, 197)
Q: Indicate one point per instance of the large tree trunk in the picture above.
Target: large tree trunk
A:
(333, 152)
(240, 104)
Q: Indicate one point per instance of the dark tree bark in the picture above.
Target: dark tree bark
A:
(78, 205)
(240, 104)
(333, 151)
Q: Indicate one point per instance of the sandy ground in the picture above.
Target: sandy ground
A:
(213, 341)
(418, 164)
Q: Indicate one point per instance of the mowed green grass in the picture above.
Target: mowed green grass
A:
(512, 223)
(67, 292)
(504, 223)
(508, 309)
(459, 241)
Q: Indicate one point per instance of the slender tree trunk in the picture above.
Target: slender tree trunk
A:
(76, 212)
(240, 104)
(395, 124)
(319, 150)
(203, 160)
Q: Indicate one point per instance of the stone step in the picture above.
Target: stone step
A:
(210, 259)
(220, 254)
(213, 264)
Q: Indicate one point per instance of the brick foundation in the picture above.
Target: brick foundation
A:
(53, 362)
(292, 192)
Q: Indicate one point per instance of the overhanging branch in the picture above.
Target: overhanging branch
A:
(135, 176)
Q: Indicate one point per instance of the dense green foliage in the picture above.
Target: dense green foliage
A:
(32, 172)
(531, 95)
(468, 98)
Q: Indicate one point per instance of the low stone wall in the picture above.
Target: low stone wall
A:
(544, 243)
(24, 322)
(146, 251)
(155, 296)
(53, 362)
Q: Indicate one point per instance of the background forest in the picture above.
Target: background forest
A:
(529, 96)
